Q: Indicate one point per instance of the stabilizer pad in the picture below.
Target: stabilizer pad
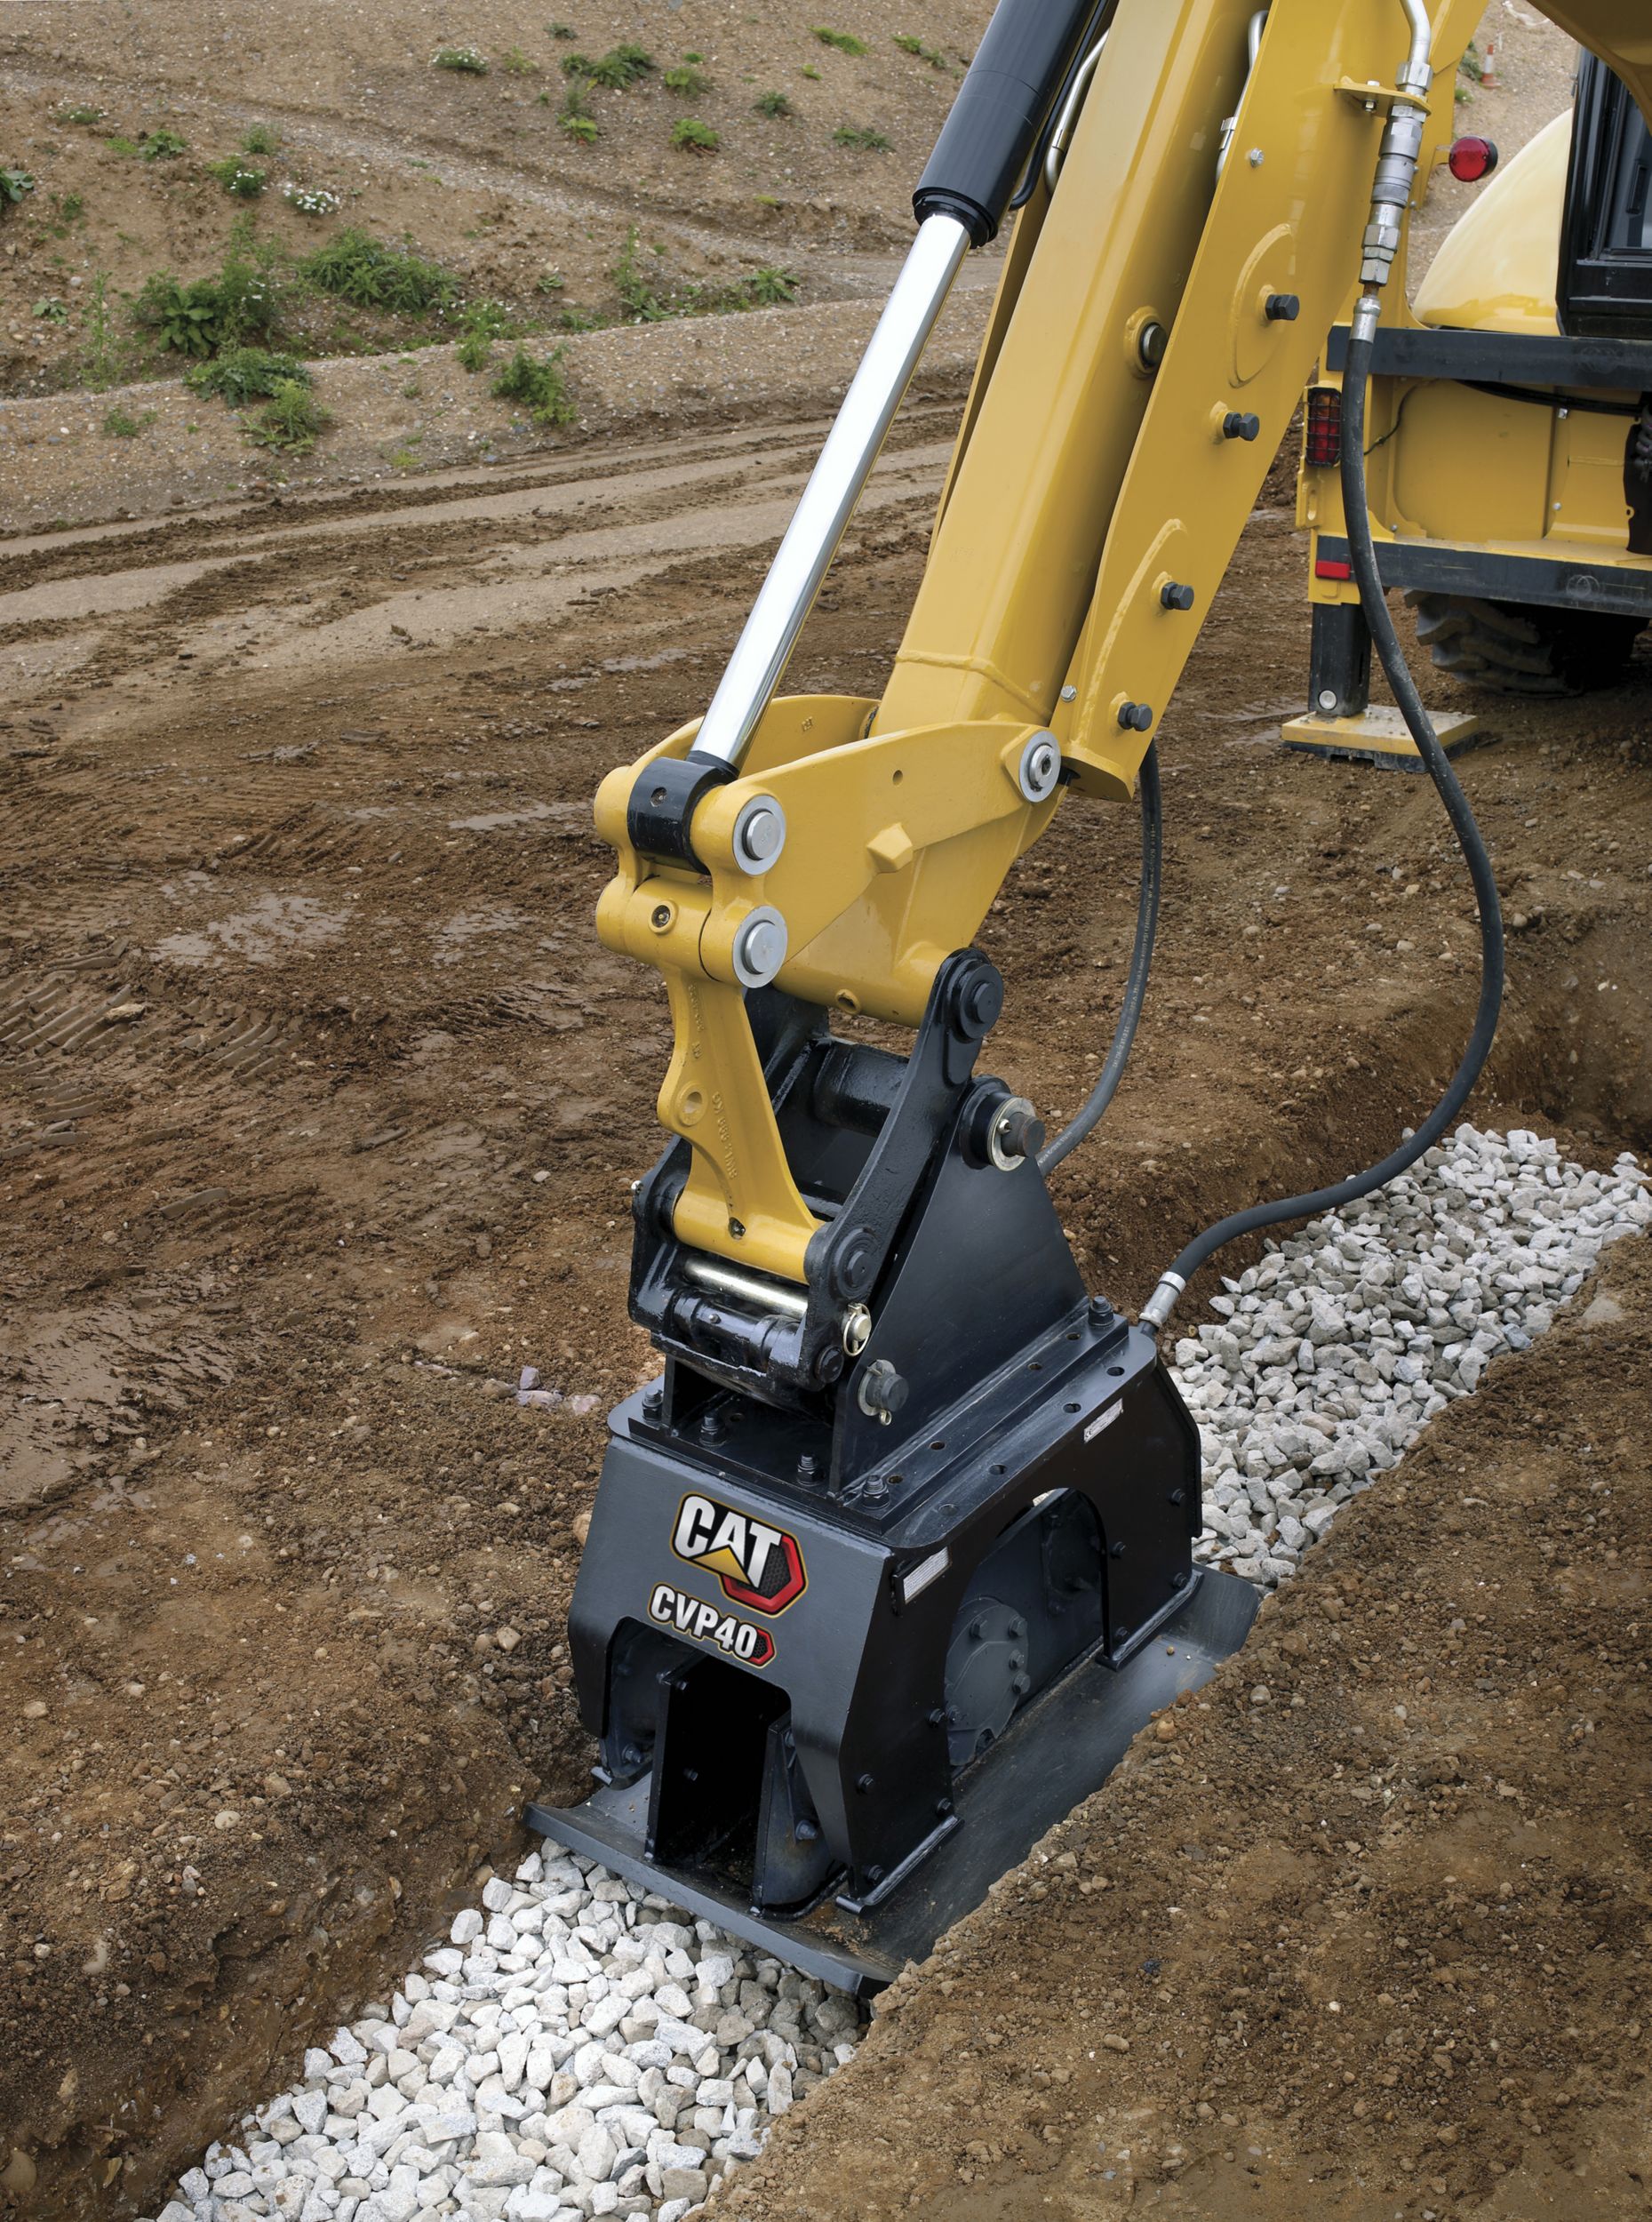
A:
(1059, 1749)
(1378, 735)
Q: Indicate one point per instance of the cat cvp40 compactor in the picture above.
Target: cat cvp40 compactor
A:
(894, 1558)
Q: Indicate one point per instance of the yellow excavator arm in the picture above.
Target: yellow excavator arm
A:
(1170, 283)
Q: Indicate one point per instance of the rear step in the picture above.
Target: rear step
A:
(1057, 1752)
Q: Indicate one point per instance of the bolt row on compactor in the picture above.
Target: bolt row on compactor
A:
(894, 1556)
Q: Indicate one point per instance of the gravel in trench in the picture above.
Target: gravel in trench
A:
(577, 2049)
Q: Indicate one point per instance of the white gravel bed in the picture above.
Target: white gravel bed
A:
(579, 2048)
(1335, 1351)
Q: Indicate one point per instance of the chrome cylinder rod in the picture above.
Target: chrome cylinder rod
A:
(834, 487)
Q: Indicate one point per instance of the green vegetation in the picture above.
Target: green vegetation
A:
(842, 42)
(209, 314)
(72, 207)
(560, 30)
(467, 61)
(162, 146)
(539, 384)
(78, 112)
(811, 72)
(14, 185)
(770, 286)
(772, 104)
(99, 358)
(51, 310)
(263, 138)
(369, 274)
(291, 419)
(868, 142)
(688, 82)
(116, 145)
(244, 374)
(697, 137)
(120, 423)
(576, 118)
(621, 66)
(238, 178)
(916, 47)
(765, 288)
(482, 324)
(549, 281)
(515, 63)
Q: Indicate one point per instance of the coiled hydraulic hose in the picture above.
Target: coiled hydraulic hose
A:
(1437, 764)
(1136, 981)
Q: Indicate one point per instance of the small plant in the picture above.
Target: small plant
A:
(72, 207)
(15, 184)
(244, 374)
(840, 42)
(291, 419)
(811, 72)
(312, 200)
(263, 138)
(692, 55)
(576, 118)
(369, 274)
(560, 30)
(162, 146)
(78, 112)
(466, 61)
(482, 323)
(51, 310)
(770, 286)
(515, 63)
(577, 319)
(773, 104)
(688, 82)
(868, 142)
(698, 138)
(539, 384)
(641, 303)
(209, 314)
(240, 180)
(99, 355)
(919, 52)
(621, 66)
(116, 145)
(549, 281)
(120, 423)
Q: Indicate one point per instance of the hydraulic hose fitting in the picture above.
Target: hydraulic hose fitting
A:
(1401, 149)
(1163, 1302)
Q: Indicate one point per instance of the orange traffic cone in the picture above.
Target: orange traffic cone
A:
(1489, 76)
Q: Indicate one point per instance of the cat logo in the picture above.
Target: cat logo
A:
(758, 1566)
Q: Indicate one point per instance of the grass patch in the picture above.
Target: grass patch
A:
(560, 30)
(78, 112)
(688, 81)
(773, 104)
(162, 146)
(698, 138)
(263, 138)
(575, 118)
(840, 42)
(539, 384)
(515, 63)
(120, 423)
(240, 180)
(916, 48)
(291, 420)
(867, 142)
(244, 374)
(620, 67)
(357, 269)
(464, 61)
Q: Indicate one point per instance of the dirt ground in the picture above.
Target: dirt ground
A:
(319, 1108)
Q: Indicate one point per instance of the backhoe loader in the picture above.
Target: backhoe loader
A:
(1510, 438)
(894, 1556)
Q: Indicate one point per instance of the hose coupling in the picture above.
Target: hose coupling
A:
(1163, 1302)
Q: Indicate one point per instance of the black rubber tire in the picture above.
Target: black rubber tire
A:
(1524, 647)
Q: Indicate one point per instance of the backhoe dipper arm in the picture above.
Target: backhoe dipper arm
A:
(1160, 314)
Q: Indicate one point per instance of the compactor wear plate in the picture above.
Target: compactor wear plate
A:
(1057, 1751)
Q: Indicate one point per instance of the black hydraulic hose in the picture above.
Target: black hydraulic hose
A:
(1437, 764)
(1136, 981)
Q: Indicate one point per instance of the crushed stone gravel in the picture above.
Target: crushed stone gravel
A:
(579, 2048)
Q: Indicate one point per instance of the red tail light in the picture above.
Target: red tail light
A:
(1324, 446)
(1472, 159)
